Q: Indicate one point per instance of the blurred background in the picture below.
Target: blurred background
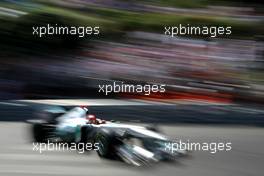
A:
(132, 48)
(209, 80)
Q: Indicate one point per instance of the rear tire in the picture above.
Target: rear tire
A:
(39, 133)
(42, 132)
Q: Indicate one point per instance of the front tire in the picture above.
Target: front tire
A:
(105, 142)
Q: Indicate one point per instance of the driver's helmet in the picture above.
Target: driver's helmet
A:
(91, 119)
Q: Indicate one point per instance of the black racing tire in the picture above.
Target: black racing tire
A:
(42, 132)
(105, 141)
(39, 133)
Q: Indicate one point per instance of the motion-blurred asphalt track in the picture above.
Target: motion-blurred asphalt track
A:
(144, 111)
(246, 157)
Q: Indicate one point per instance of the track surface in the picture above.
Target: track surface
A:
(145, 112)
(246, 157)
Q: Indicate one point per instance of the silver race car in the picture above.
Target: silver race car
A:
(133, 144)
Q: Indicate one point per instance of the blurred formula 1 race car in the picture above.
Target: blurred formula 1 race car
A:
(136, 145)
